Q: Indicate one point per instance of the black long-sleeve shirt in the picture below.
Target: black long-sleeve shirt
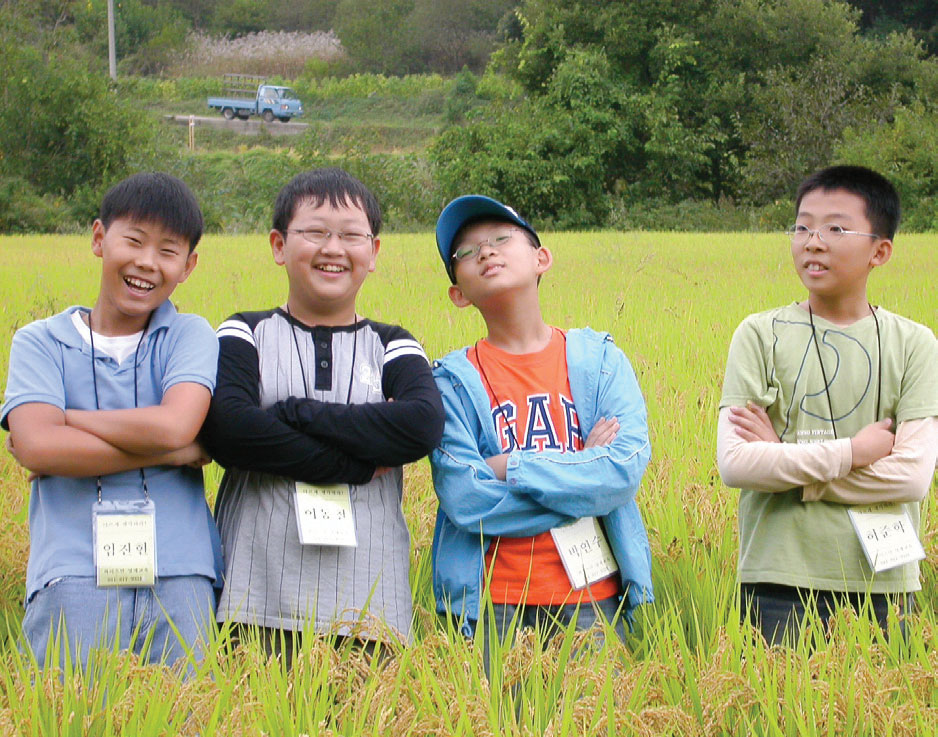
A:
(320, 405)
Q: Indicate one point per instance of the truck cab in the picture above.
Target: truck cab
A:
(277, 102)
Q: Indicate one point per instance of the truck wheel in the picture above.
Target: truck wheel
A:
(268, 116)
(227, 113)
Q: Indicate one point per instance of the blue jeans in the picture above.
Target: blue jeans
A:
(172, 619)
(779, 611)
(549, 621)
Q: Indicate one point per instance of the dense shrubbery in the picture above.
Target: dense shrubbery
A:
(637, 107)
(64, 134)
(674, 114)
(237, 190)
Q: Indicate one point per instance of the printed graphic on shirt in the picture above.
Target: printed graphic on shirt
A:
(837, 390)
(532, 411)
(541, 431)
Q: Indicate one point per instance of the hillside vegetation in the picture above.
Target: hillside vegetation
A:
(659, 115)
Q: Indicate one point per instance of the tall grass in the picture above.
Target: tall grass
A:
(671, 301)
(281, 53)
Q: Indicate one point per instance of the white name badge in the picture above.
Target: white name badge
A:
(124, 543)
(886, 535)
(324, 515)
(585, 553)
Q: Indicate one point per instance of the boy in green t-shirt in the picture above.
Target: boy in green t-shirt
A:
(829, 405)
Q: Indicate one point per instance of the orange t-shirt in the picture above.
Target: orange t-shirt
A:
(532, 408)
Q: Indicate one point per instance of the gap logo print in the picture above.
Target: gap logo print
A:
(538, 429)
(530, 396)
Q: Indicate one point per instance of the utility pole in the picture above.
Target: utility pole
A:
(111, 51)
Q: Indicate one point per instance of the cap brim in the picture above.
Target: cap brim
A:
(464, 210)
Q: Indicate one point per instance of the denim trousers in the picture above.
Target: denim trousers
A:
(779, 612)
(164, 623)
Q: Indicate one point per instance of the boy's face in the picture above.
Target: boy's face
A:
(142, 263)
(497, 268)
(841, 266)
(325, 277)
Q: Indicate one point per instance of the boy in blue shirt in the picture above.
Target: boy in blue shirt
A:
(103, 406)
(543, 449)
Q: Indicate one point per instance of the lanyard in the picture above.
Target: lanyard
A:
(498, 404)
(97, 404)
(299, 357)
(879, 366)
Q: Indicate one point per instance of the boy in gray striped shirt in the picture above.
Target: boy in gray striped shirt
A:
(303, 421)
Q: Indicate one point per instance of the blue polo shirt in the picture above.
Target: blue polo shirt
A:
(51, 363)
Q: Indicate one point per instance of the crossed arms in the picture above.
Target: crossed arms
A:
(874, 466)
(51, 442)
(527, 492)
(48, 438)
(316, 441)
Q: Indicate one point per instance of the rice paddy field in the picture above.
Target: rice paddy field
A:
(672, 302)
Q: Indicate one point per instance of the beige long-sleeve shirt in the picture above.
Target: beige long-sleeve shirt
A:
(824, 469)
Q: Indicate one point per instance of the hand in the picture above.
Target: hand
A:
(380, 471)
(752, 424)
(499, 464)
(603, 432)
(193, 455)
(873, 442)
(12, 451)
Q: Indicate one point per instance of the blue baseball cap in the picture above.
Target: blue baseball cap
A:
(464, 210)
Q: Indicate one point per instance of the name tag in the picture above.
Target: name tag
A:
(584, 551)
(124, 543)
(324, 515)
(886, 535)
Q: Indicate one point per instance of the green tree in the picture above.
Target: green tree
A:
(147, 35)
(62, 129)
(906, 151)
(554, 158)
(240, 17)
(406, 36)
(375, 34)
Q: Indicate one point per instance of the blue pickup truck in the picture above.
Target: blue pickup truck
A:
(270, 102)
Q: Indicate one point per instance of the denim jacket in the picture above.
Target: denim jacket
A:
(542, 489)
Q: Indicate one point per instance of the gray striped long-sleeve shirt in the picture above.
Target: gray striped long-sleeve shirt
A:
(310, 403)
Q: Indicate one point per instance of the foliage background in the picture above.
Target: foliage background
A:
(673, 114)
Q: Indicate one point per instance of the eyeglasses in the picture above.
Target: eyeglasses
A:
(319, 237)
(471, 250)
(828, 233)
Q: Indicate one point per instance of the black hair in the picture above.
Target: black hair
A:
(318, 185)
(155, 197)
(882, 201)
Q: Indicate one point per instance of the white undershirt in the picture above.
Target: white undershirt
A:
(117, 347)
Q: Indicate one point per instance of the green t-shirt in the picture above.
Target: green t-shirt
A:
(773, 362)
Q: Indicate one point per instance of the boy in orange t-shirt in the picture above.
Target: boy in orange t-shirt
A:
(544, 446)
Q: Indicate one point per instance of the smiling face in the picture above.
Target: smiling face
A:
(325, 279)
(493, 272)
(142, 263)
(837, 272)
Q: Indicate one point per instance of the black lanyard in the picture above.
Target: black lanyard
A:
(498, 404)
(299, 357)
(97, 404)
(879, 367)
